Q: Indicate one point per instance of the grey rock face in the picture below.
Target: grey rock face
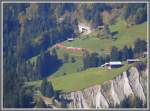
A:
(144, 81)
(122, 87)
(110, 93)
(134, 80)
(88, 98)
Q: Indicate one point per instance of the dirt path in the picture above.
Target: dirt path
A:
(73, 49)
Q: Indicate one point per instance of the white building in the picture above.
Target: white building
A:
(101, 27)
(112, 64)
(133, 60)
(85, 29)
(70, 39)
(145, 54)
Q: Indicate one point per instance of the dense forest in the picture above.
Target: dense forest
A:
(30, 29)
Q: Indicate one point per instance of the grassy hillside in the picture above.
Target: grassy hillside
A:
(125, 36)
(69, 68)
(128, 35)
(67, 78)
(81, 80)
(85, 79)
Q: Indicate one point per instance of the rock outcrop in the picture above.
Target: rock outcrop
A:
(110, 93)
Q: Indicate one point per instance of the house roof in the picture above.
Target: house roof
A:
(70, 38)
(104, 64)
(133, 60)
(86, 27)
(115, 63)
(145, 52)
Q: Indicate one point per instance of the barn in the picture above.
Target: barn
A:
(112, 64)
(115, 64)
(70, 39)
(132, 60)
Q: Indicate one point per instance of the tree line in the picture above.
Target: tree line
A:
(35, 32)
(95, 59)
(132, 101)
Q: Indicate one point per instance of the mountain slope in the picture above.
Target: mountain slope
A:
(110, 93)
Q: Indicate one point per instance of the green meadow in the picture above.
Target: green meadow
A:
(68, 78)
(84, 79)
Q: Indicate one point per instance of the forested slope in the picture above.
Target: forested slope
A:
(29, 30)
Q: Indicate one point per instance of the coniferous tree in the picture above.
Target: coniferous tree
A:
(47, 88)
(73, 59)
(86, 58)
(140, 15)
(137, 13)
(114, 54)
(139, 47)
(138, 103)
(66, 57)
(126, 103)
(130, 53)
(125, 53)
(106, 32)
(120, 55)
(47, 63)
(107, 58)
(100, 61)
(93, 60)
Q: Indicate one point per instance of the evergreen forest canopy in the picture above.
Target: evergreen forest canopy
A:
(30, 29)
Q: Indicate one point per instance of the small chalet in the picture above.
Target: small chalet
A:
(106, 64)
(132, 60)
(84, 29)
(112, 64)
(145, 54)
(61, 19)
(100, 27)
(115, 64)
(70, 39)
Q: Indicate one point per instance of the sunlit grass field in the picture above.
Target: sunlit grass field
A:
(67, 78)
(84, 79)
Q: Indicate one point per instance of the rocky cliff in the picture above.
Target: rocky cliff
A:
(110, 93)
